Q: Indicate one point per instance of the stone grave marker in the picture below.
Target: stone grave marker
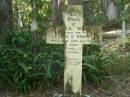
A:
(123, 34)
(73, 37)
(33, 28)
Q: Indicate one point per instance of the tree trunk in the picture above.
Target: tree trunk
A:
(75, 2)
(10, 14)
(57, 10)
(5, 18)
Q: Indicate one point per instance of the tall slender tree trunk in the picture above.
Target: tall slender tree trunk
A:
(57, 9)
(10, 14)
(6, 11)
(75, 2)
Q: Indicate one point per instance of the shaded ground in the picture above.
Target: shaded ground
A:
(119, 86)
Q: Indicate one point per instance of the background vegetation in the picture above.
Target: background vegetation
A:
(27, 64)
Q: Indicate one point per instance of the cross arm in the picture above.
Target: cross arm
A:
(55, 35)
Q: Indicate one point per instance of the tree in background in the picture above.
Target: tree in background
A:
(6, 13)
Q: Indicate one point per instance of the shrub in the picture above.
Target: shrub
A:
(94, 65)
(24, 70)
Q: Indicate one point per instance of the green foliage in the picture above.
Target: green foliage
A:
(24, 70)
(3, 15)
(94, 65)
(99, 10)
(123, 9)
(32, 9)
(118, 62)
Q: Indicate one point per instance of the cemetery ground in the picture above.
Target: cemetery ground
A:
(117, 84)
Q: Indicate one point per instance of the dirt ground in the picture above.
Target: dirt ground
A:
(118, 86)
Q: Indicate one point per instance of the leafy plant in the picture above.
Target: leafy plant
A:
(24, 70)
(94, 65)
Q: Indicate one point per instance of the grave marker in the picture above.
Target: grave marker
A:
(34, 27)
(73, 50)
(123, 34)
(74, 39)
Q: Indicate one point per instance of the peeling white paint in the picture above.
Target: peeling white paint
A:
(73, 51)
(74, 38)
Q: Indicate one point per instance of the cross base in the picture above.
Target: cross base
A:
(62, 95)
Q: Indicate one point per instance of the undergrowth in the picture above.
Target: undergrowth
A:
(24, 70)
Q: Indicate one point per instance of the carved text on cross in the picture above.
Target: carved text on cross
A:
(73, 51)
(74, 40)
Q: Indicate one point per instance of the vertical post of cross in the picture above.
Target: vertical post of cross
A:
(73, 36)
(73, 39)
(73, 50)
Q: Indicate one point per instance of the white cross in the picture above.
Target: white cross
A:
(74, 39)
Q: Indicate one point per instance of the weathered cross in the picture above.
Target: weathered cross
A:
(74, 39)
